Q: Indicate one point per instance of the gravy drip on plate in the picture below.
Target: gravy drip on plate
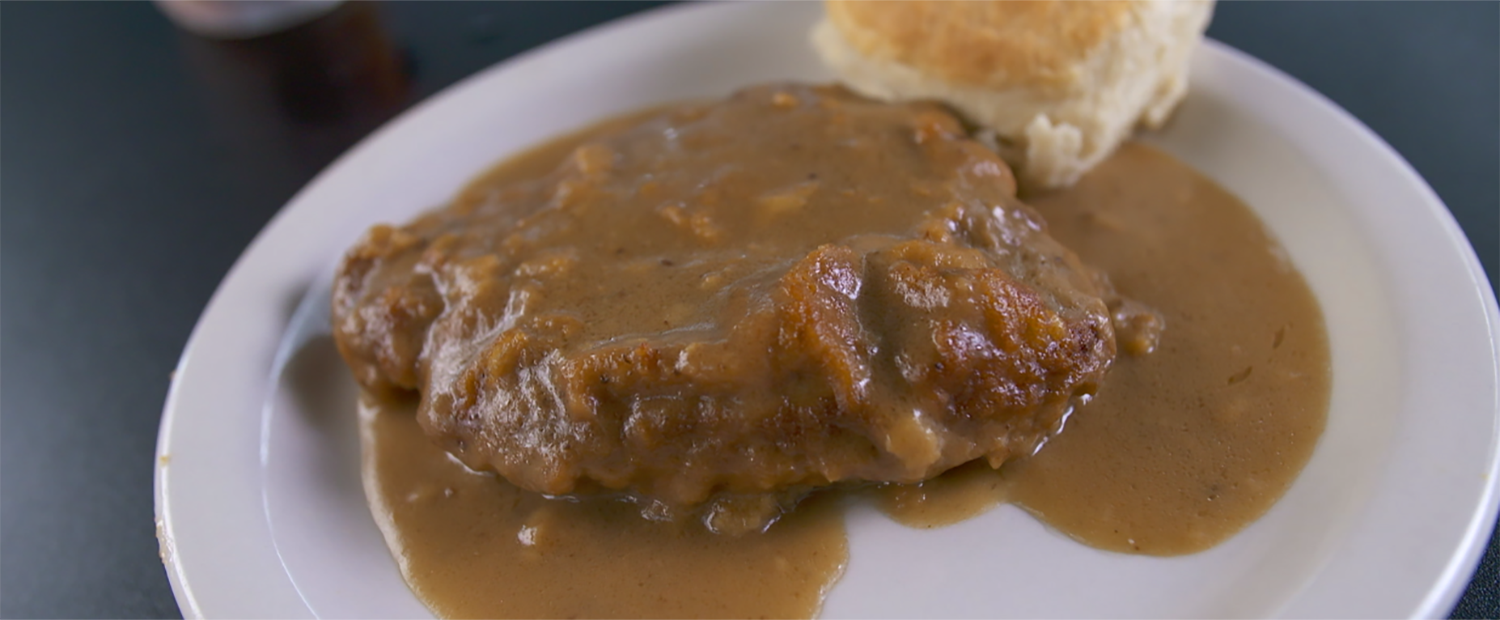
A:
(474, 546)
(1180, 449)
(1186, 446)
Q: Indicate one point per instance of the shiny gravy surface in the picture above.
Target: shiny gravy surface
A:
(1179, 449)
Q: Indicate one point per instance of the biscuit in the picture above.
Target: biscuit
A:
(1057, 85)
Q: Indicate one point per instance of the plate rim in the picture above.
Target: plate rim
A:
(1441, 595)
(1454, 579)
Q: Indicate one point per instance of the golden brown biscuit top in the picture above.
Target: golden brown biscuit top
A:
(1009, 43)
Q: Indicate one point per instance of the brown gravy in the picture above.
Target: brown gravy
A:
(1186, 446)
(1180, 449)
(726, 305)
(475, 546)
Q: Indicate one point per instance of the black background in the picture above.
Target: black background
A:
(136, 162)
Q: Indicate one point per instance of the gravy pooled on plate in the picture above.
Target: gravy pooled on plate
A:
(1186, 446)
(928, 322)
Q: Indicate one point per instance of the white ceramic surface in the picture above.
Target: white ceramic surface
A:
(259, 507)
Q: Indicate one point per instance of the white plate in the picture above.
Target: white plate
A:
(258, 502)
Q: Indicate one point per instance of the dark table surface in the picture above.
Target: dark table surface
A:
(139, 161)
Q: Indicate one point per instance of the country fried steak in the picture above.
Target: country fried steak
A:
(716, 307)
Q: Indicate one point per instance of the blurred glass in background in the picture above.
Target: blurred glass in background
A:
(303, 80)
(240, 19)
